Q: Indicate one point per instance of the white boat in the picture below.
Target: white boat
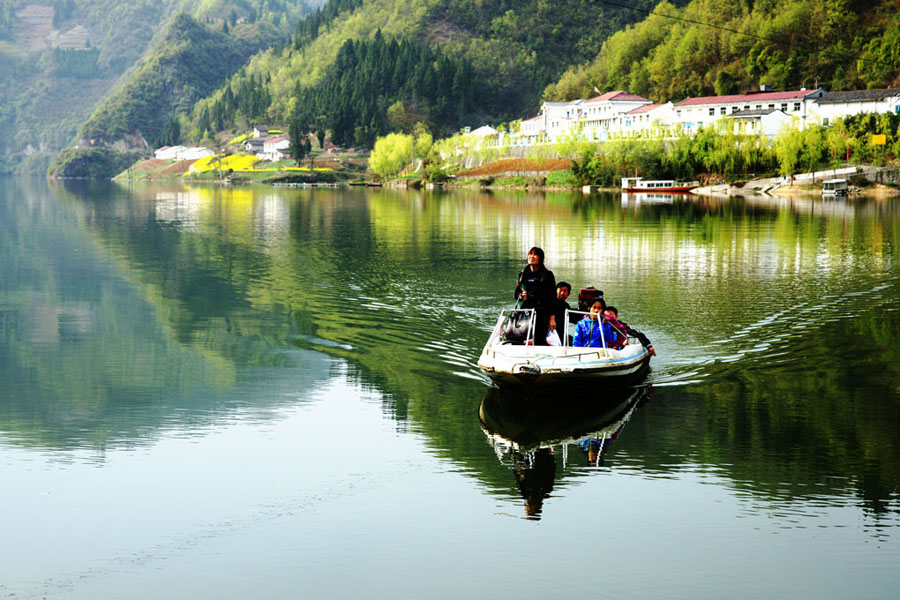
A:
(835, 187)
(510, 358)
(639, 184)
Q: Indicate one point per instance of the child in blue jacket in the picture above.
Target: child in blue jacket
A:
(592, 331)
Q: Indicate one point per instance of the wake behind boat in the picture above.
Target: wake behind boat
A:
(510, 357)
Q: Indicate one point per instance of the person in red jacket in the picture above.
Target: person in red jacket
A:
(623, 330)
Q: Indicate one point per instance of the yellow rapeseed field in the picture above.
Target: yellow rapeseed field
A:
(238, 139)
(238, 163)
(235, 162)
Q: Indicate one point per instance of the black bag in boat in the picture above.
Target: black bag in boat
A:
(516, 328)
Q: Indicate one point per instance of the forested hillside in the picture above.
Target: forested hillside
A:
(722, 47)
(501, 55)
(59, 58)
(187, 64)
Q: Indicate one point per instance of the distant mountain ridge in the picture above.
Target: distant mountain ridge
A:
(48, 88)
(188, 63)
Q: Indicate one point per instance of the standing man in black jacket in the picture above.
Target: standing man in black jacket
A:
(536, 288)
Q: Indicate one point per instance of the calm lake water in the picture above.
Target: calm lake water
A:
(250, 392)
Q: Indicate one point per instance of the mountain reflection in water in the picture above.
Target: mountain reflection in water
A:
(261, 388)
(528, 431)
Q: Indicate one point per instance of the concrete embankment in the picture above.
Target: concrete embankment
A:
(885, 180)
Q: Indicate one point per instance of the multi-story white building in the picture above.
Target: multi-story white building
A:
(649, 120)
(529, 133)
(602, 112)
(589, 119)
(763, 121)
(693, 113)
(839, 105)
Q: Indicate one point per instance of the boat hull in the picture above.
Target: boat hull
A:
(546, 366)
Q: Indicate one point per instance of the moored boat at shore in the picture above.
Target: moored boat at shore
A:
(835, 187)
(639, 184)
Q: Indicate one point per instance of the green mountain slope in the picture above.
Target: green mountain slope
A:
(722, 47)
(187, 64)
(508, 49)
(60, 58)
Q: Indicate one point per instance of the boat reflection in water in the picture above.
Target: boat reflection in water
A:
(639, 198)
(528, 432)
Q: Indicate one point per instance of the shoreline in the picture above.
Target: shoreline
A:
(798, 186)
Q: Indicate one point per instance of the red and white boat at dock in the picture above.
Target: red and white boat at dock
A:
(639, 184)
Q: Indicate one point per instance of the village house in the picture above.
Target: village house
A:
(597, 116)
(182, 153)
(486, 136)
(260, 131)
(839, 105)
(557, 118)
(484, 131)
(254, 145)
(275, 148)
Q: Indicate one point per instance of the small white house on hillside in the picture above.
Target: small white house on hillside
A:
(276, 148)
(484, 130)
(182, 153)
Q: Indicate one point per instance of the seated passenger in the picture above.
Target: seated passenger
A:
(560, 306)
(611, 316)
(593, 332)
(622, 326)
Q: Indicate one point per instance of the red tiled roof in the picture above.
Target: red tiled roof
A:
(756, 97)
(533, 118)
(275, 140)
(618, 96)
(643, 109)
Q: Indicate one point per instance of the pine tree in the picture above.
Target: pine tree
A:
(296, 132)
